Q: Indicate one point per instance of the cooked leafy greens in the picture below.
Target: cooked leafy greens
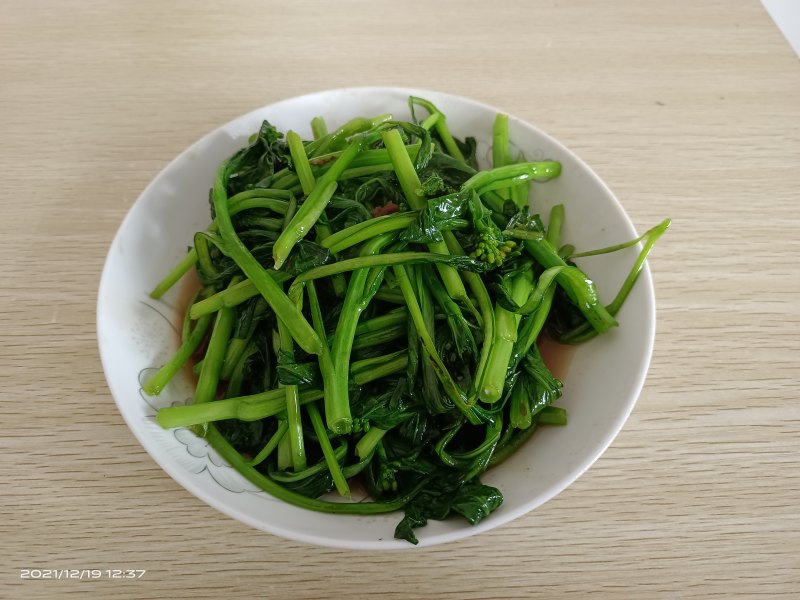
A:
(371, 307)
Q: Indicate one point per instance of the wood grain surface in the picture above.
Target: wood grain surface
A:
(686, 109)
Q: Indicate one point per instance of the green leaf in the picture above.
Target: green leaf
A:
(475, 501)
(445, 494)
(440, 214)
(257, 162)
(304, 256)
(385, 410)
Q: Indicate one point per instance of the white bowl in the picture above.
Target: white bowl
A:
(136, 333)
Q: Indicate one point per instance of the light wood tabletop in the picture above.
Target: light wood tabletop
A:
(686, 109)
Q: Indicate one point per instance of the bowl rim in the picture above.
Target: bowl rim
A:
(192, 485)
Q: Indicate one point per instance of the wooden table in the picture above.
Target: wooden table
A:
(686, 109)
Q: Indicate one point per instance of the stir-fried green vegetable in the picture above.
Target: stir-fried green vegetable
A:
(371, 307)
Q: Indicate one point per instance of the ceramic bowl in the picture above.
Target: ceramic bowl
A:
(137, 334)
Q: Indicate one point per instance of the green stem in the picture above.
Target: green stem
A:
(175, 274)
(205, 266)
(545, 283)
(244, 408)
(354, 469)
(411, 186)
(397, 316)
(283, 308)
(441, 127)
(314, 205)
(327, 368)
(552, 415)
(267, 450)
(339, 282)
(575, 283)
(234, 386)
(450, 386)
(533, 324)
(158, 381)
(404, 169)
(380, 337)
(386, 260)
(292, 396)
(555, 224)
(506, 325)
(367, 365)
(355, 234)
(238, 462)
(584, 333)
(390, 296)
(327, 451)
(318, 127)
(481, 294)
(272, 402)
(232, 296)
(500, 148)
(337, 401)
(493, 179)
(516, 441)
(520, 415)
(338, 138)
(236, 347)
(366, 445)
(274, 200)
(300, 160)
(390, 367)
(319, 467)
(367, 158)
(658, 230)
(286, 180)
(430, 121)
(208, 381)
(249, 201)
(186, 328)
(284, 453)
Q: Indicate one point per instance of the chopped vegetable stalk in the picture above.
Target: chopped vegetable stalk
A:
(162, 377)
(584, 333)
(208, 380)
(450, 386)
(303, 221)
(295, 432)
(267, 450)
(337, 404)
(318, 128)
(412, 189)
(366, 445)
(506, 324)
(335, 140)
(235, 459)
(580, 288)
(355, 234)
(327, 451)
(175, 274)
(295, 322)
(440, 123)
(510, 175)
(501, 155)
(312, 208)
